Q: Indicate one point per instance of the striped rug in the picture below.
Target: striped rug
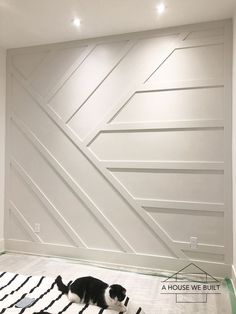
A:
(15, 287)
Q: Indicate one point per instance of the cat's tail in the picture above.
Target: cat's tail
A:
(61, 286)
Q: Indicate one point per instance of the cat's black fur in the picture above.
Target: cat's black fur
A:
(91, 290)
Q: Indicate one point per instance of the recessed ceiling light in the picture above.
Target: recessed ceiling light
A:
(161, 8)
(76, 22)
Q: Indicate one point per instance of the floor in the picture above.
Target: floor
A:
(142, 289)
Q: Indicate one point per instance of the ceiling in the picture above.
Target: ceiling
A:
(34, 22)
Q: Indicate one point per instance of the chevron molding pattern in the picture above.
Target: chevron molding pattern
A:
(120, 148)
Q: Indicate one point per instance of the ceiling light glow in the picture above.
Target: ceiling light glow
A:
(76, 22)
(161, 8)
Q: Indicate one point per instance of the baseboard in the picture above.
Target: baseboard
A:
(2, 246)
(116, 259)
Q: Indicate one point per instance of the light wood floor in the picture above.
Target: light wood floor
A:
(143, 289)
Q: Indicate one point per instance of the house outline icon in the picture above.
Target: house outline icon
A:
(182, 276)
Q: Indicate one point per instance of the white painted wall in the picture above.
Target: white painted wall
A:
(2, 139)
(120, 148)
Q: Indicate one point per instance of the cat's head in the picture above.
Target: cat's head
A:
(117, 292)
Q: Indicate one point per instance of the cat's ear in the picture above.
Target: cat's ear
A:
(112, 286)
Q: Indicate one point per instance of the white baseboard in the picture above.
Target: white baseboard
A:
(2, 246)
(116, 259)
(233, 278)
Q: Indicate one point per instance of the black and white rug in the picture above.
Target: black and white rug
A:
(47, 298)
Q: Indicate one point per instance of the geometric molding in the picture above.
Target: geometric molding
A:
(78, 88)
(188, 47)
(167, 144)
(156, 229)
(48, 205)
(96, 212)
(173, 105)
(209, 229)
(140, 63)
(192, 63)
(163, 162)
(107, 122)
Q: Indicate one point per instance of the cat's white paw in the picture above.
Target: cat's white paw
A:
(118, 308)
(123, 309)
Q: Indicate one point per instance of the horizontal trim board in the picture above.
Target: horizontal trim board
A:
(174, 211)
(125, 259)
(199, 206)
(179, 171)
(177, 85)
(201, 247)
(199, 42)
(163, 165)
(205, 256)
(169, 125)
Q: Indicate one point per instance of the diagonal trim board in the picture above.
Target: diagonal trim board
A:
(76, 239)
(95, 211)
(181, 44)
(71, 70)
(151, 224)
(177, 44)
(123, 54)
(25, 224)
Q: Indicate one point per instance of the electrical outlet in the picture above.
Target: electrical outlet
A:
(193, 242)
(37, 227)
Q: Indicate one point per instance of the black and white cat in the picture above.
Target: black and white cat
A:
(90, 290)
